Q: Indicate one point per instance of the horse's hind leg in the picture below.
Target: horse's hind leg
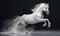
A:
(28, 33)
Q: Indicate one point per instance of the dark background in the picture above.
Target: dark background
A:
(11, 8)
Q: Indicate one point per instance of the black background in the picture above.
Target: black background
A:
(11, 8)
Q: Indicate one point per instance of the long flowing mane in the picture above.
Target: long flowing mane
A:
(35, 7)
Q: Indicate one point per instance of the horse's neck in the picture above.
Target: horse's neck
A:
(39, 12)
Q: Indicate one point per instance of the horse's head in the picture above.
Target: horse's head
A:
(45, 7)
(41, 6)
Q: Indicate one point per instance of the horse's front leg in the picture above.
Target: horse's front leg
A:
(45, 22)
(41, 20)
(49, 24)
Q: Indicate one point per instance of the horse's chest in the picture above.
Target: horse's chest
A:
(30, 19)
(39, 16)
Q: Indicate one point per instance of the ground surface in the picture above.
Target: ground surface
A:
(37, 33)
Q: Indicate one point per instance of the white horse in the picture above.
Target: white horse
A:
(36, 17)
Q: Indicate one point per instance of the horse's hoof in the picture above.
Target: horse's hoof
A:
(49, 25)
(44, 25)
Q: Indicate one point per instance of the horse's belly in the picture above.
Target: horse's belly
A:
(31, 21)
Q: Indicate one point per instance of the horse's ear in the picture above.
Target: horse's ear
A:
(32, 10)
(47, 3)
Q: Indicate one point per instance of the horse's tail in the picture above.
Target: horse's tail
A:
(15, 23)
(17, 19)
(10, 23)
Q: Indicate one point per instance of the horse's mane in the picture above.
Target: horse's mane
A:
(36, 6)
